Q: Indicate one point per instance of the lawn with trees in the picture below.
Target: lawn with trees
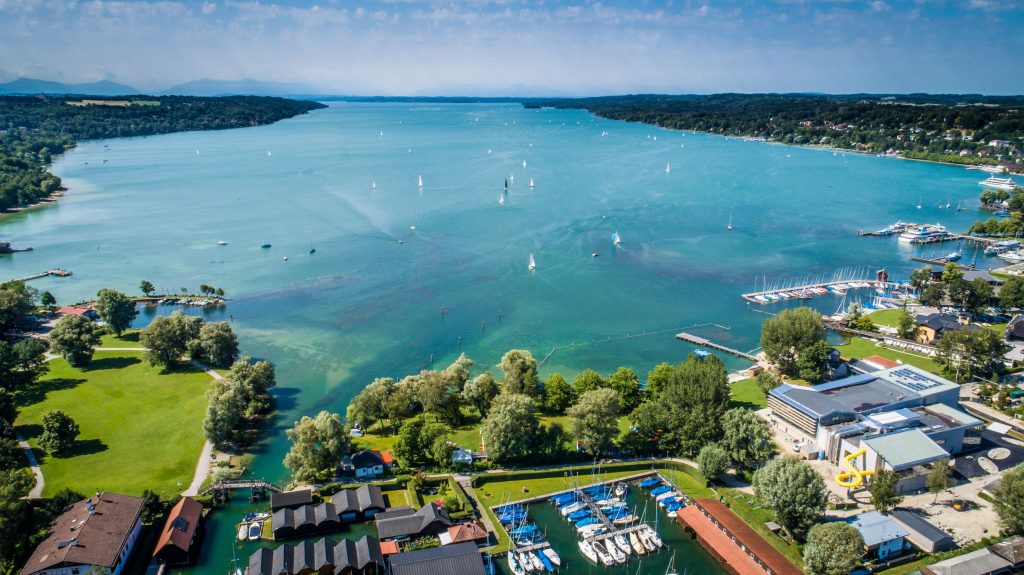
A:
(140, 427)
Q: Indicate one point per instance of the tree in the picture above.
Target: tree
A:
(921, 278)
(520, 370)
(658, 378)
(594, 422)
(370, 405)
(647, 434)
(167, 338)
(74, 337)
(833, 549)
(1011, 293)
(884, 494)
(793, 491)
(785, 336)
(46, 299)
(116, 310)
(318, 445)
(694, 400)
(146, 288)
(813, 362)
(965, 353)
(22, 363)
(439, 393)
(16, 303)
(402, 404)
(906, 327)
(225, 412)
(1009, 501)
(422, 441)
(59, 432)
(587, 380)
(932, 295)
(8, 409)
(218, 345)
(767, 381)
(255, 380)
(938, 478)
(16, 515)
(712, 461)
(746, 437)
(625, 382)
(510, 428)
(558, 395)
(480, 392)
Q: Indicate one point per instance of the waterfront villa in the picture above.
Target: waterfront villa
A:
(473, 531)
(901, 419)
(94, 536)
(179, 540)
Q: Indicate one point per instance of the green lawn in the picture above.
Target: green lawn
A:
(127, 339)
(140, 428)
(887, 317)
(746, 393)
(859, 348)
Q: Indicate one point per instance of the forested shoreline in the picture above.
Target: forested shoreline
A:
(960, 129)
(33, 129)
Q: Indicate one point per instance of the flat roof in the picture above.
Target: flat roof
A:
(919, 527)
(906, 448)
(876, 528)
(956, 415)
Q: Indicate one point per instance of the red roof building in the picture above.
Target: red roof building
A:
(388, 458)
(740, 549)
(179, 541)
(72, 310)
(473, 531)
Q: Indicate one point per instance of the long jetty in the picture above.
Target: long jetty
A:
(704, 342)
(54, 272)
(802, 289)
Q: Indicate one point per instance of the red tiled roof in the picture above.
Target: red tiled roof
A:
(881, 361)
(90, 532)
(181, 525)
(387, 457)
(474, 531)
(389, 547)
(731, 539)
(71, 310)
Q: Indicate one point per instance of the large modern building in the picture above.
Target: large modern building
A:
(93, 537)
(901, 419)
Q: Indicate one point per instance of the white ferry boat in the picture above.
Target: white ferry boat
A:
(925, 233)
(998, 183)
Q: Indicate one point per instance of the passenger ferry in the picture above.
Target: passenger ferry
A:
(998, 183)
(925, 233)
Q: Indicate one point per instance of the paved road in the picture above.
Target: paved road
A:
(206, 456)
(37, 491)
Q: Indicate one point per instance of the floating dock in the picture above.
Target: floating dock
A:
(704, 342)
(808, 291)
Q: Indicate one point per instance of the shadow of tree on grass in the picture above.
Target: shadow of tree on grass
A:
(111, 363)
(37, 392)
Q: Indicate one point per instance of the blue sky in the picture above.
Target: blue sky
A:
(553, 47)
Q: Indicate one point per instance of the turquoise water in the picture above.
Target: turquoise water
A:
(365, 305)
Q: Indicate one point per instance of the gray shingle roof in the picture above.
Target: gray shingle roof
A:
(291, 498)
(922, 529)
(366, 458)
(414, 524)
(457, 559)
(973, 563)
(309, 555)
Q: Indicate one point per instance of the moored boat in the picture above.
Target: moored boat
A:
(588, 551)
(552, 556)
(243, 531)
(634, 541)
(255, 529)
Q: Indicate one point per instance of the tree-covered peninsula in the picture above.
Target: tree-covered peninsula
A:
(35, 128)
(963, 129)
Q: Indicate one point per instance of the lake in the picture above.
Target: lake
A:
(405, 277)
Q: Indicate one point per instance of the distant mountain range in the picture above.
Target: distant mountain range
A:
(207, 87)
(34, 86)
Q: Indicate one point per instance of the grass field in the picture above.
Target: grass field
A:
(746, 393)
(127, 339)
(859, 348)
(887, 317)
(140, 428)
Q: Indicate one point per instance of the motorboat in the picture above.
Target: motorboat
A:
(998, 183)
(264, 246)
(924, 233)
(255, 529)
(222, 243)
(614, 551)
(622, 543)
(620, 490)
(243, 531)
(603, 554)
(515, 566)
(552, 556)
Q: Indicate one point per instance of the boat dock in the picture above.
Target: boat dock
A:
(619, 531)
(57, 272)
(810, 290)
(704, 342)
(596, 511)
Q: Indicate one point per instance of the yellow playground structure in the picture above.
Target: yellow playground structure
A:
(854, 476)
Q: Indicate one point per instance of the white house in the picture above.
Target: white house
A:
(367, 463)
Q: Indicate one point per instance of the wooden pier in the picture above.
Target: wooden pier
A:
(704, 342)
(60, 273)
(222, 489)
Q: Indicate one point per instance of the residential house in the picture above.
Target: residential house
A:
(473, 531)
(92, 537)
(82, 311)
(922, 533)
(930, 327)
(971, 275)
(182, 533)
(1011, 549)
(367, 463)
(883, 537)
(358, 504)
(403, 522)
(460, 559)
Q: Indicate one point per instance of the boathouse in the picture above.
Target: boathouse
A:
(739, 549)
(290, 499)
(461, 558)
(179, 541)
(347, 557)
(401, 522)
(345, 506)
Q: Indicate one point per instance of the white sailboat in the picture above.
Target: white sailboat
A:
(524, 163)
(512, 178)
(501, 199)
(616, 239)
(919, 202)
(531, 183)
(533, 264)
(421, 181)
(373, 185)
(729, 227)
(668, 167)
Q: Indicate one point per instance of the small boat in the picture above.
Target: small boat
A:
(545, 562)
(552, 556)
(625, 519)
(616, 239)
(512, 178)
(654, 537)
(668, 168)
(650, 482)
(524, 163)
(222, 243)
(587, 521)
(729, 227)
(594, 254)
(533, 264)
(243, 531)
(591, 530)
(659, 490)
(285, 258)
(588, 551)
(501, 199)
(572, 508)
(614, 551)
(421, 181)
(646, 542)
(312, 250)
(537, 564)
(265, 246)
(623, 544)
(671, 569)
(506, 184)
(514, 566)
(531, 183)
(582, 513)
(602, 554)
(255, 529)
(634, 541)
(373, 185)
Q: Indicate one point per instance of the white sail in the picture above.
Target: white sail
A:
(373, 185)
(501, 199)
(524, 163)
(730, 220)
(421, 181)
(616, 239)
(668, 167)
(533, 264)
(531, 182)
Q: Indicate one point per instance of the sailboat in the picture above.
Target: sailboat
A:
(919, 202)
(373, 185)
(671, 570)
(524, 163)
(421, 181)
(531, 183)
(616, 239)
(501, 199)
(668, 168)
(506, 184)
(729, 227)
(533, 264)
